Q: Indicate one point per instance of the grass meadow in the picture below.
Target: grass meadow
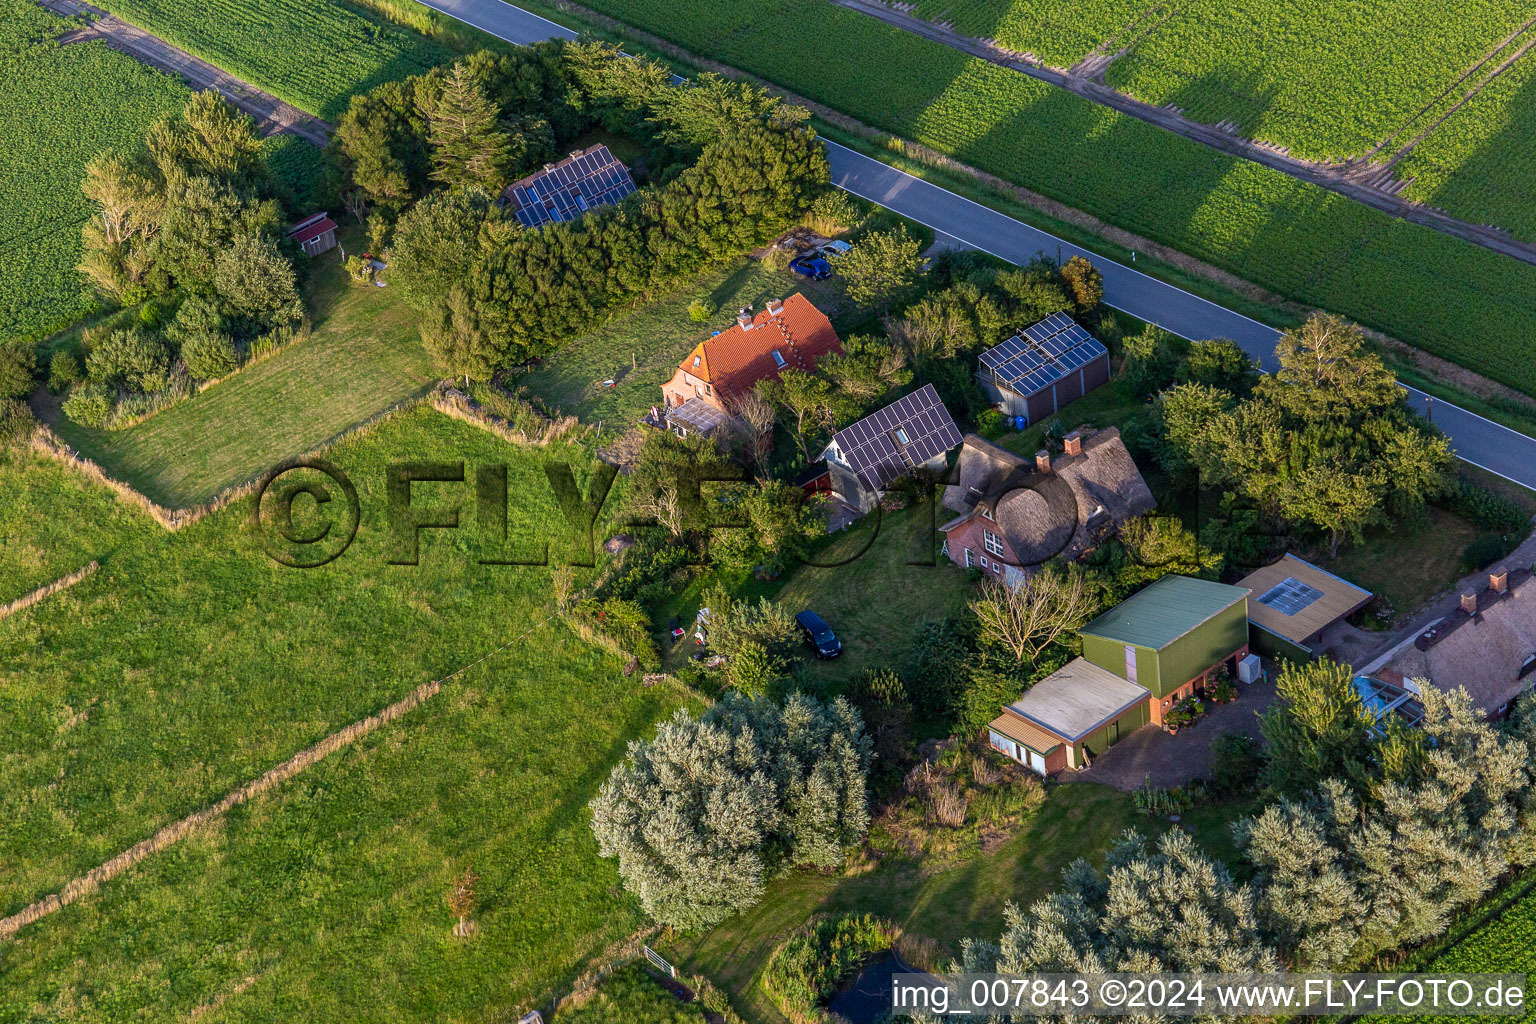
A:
(364, 356)
(192, 663)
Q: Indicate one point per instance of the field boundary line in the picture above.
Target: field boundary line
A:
(91, 881)
(48, 589)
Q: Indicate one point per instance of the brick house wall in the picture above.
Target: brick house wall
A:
(971, 535)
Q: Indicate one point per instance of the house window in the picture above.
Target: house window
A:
(997, 567)
(1130, 663)
(901, 436)
(970, 558)
(984, 563)
(698, 391)
(993, 542)
(986, 513)
(708, 390)
(696, 360)
(778, 359)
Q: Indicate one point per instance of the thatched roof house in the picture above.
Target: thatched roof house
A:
(1015, 514)
(1487, 645)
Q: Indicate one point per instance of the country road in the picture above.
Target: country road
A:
(1479, 441)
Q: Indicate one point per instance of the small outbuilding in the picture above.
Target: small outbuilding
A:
(1069, 717)
(1293, 602)
(1042, 368)
(567, 190)
(314, 234)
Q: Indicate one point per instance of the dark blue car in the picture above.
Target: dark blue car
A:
(819, 635)
(811, 266)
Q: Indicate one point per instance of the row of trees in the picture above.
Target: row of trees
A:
(1379, 848)
(704, 815)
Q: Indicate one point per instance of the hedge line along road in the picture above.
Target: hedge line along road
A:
(1475, 439)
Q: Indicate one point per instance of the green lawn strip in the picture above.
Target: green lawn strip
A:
(1379, 564)
(641, 350)
(364, 357)
(194, 662)
(634, 996)
(59, 107)
(324, 899)
(52, 522)
(945, 905)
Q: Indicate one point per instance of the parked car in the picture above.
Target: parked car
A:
(819, 635)
(835, 248)
(811, 266)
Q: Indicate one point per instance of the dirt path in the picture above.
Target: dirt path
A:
(1377, 190)
(271, 113)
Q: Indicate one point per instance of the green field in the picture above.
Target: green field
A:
(1448, 297)
(59, 106)
(315, 54)
(640, 350)
(50, 525)
(1058, 32)
(364, 357)
(1325, 81)
(191, 663)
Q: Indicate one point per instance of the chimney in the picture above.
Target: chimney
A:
(1074, 442)
(1469, 602)
(775, 307)
(1498, 579)
(744, 318)
(1043, 461)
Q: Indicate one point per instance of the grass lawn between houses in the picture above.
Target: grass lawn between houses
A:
(192, 663)
(947, 905)
(363, 357)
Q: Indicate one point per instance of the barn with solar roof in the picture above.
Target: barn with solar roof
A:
(567, 190)
(866, 457)
(1042, 368)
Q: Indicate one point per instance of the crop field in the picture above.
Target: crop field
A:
(59, 106)
(1448, 297)
(1480, 163)
(364, 356)
(312, 53)
(1325, 81)
(191, 663)
(1058, 32)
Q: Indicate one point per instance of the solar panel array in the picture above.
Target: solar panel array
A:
(570, 188)
(1042, 354)
(879, 458)
(1290, 596)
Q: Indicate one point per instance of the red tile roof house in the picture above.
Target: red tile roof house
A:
(792, 334)
(315, 234)
(1016, 514)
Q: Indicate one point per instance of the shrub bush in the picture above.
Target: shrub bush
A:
(133, 357)
(700, 310)
(990, 422)
(806, 970)
(16, 423)
(1487, 548)
(89, 404)
(1490, 510)
(64, 370)
(18, 370)
(209, 355)
(1236, 762)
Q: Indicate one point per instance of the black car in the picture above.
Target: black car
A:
(819, 635)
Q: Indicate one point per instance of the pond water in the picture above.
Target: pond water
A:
(867, 998)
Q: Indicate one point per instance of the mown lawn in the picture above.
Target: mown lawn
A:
(364, 356)
(52, 522)
(1380, 565)
(640, 350)
(864, 585)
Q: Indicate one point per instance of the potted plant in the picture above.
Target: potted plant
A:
(1224, 692)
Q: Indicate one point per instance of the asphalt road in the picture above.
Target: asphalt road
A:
(1476, 440)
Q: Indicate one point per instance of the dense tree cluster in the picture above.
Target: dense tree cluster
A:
(701, 817)
(194, 213)
(1326, 441)
(729, 166)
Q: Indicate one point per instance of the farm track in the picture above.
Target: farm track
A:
(272, 114)
(1375, 191)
